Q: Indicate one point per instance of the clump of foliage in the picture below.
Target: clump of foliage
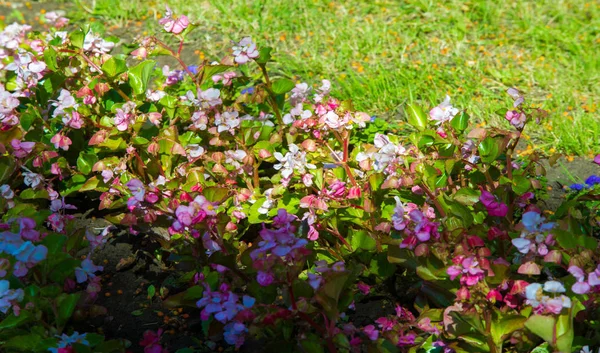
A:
(290, 206)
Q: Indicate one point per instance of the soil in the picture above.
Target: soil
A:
(130, 266)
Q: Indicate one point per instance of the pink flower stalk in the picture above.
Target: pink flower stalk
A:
(174, 24)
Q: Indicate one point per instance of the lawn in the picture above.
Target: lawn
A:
(384, 54)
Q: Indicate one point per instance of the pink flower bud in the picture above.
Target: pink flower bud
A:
(553, 256)
(422, 250)
(230, 227)
(153, 148)
(463, 294)
(264, 154)
(529, 268)
(309, 145)
(354, 193)
(494, 296)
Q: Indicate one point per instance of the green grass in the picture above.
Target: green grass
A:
(386, 53)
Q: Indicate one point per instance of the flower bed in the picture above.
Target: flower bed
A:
(284, 205)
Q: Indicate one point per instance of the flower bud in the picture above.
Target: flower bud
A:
(553, 256)
(219, 169)
(494, 296)
(264, 154)
(218, 157)
(422, 250)
(463, 294)
(275, 138)
(309, 145)
(529, 268)
(153, 148)
(230, 227)
(354, 193)
(185, 197)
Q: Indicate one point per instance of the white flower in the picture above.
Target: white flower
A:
(299, 93)
(155, 96)
(6, 192)
(522, 244)
(211, 96)
(32, 179)
(227, 121)
(443, 112)
(533, 293)
(245, 50)
(95, 44)
(195, 150)
(554, 287)
(268, 203)
(293, 160)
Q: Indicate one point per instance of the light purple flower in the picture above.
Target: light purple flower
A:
(244, 51)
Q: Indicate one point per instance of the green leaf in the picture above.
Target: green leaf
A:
(215, 194)
(90, 184)
(85, 162)
(312, 344)
(521, 184)
(542, 326)
(77, 38)
(282, 86)
(460, 122)
(139, 76)
(566, 239)
(362, 240)
(467, 196)
(381, 267)
(13, 321)
(264, 55)
(415, 117)
(24, 343)
(503, 326)
(7, 168)
(488, 150)
(66, 307)
(114, 66)
(210, 70)
(50, 58)
(29, 194)
(151, 291)
(329, 293)
(54, 243)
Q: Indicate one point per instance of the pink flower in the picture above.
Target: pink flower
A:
(264, 278)
(516, 119)
(494, 207)
(364, 288)
(597, 159)
(61, 141)
(21, 149)
(226, 78)
(371, 332)
(174, 24)
(73, 121)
